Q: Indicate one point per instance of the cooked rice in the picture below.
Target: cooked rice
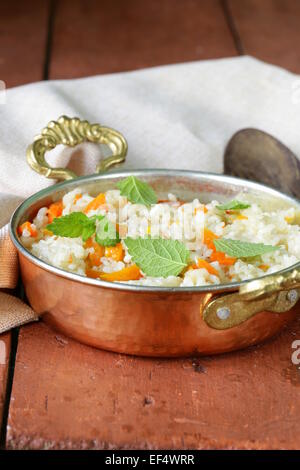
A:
(173, 219)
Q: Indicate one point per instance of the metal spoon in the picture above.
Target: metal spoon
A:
(255, 155)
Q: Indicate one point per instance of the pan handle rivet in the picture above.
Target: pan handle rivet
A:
(292, 296)
(223, 313)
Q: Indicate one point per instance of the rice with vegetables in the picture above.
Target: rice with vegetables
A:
(128, 235)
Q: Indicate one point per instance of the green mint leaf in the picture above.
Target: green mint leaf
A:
(239, 249)
(158, 257)
(137, 191)
(88, 231)
(106, 234)
(233, 205)
(73, 225)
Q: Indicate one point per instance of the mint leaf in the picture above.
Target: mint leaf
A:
(137, 191)
(106, 234)
(88, 231)
(233, 205)
(239, 249)
(73, 225)
(158, 257)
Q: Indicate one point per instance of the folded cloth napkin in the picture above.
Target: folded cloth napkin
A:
(177, 116)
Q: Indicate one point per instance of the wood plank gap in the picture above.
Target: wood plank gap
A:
(49, 42)
(232, 27)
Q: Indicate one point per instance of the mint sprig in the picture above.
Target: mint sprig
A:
(233, 205)
(78, 224)
(73, 225)
(158, 257)
(137, 191)
(240, 249)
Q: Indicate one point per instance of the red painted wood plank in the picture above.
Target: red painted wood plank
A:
(66, 395)
(269, 30)
(5, 347)
(23, 36)
(98, 37)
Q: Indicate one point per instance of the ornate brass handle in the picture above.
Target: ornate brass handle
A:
(71, 132)
(276, 293)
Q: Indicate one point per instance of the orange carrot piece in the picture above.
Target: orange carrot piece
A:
(130, 273)
(191, 267)
(209, 238)
(47, 232)
(95, 203)
(201, 209)
(94, 258)
(222, 258)
(115, 252)
(201, 263)
(264, 267)
(78, 196)
(27, 226)
(55, 210)
(91, 273)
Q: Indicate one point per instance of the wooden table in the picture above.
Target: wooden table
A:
(56, 393)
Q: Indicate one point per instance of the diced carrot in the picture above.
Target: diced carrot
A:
(222, 258)
(201, 209)
(209, 238)
(191, 267)
(91, 273)
(264, 267)
(47, 232)
(90, 243)
(78, 196)
(115, 252)
(130, 273)
(55, 210)
(29, 227)
(201, 263)
(242, 217)
(95, 203)
(94, 258)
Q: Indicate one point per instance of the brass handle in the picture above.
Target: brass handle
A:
(277, 293)
(71, 132)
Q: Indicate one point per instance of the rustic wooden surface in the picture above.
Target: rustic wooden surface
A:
(269, 30)
(102, 37)
(23, 40)
(66, 394)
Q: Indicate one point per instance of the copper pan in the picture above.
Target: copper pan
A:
(142, 320)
